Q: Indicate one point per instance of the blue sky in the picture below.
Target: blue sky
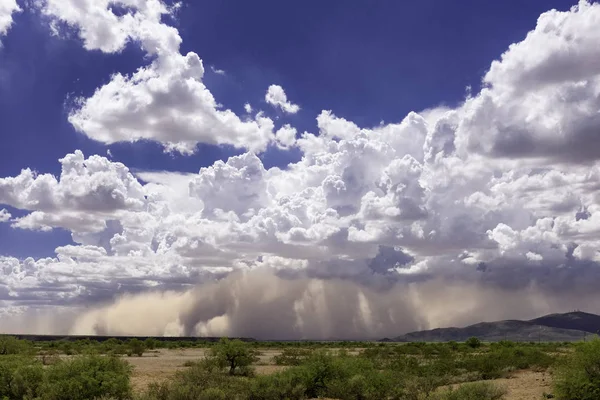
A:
(371, 142)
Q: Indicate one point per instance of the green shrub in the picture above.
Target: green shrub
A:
(198, 383)
(288, 385)
(67, 348)
(20, 377)
(331, 376)
(109, 346)
(87, 377)
(473, 391)
(151, 343)
(496, 362)
(291, 356)
(11, 345)
(213, 394)
(136, 347)
(473, 342)
(577, 376)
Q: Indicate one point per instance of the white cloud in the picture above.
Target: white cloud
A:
(286, 136)
(88, 192)
(542, 98)
(248, 108)
(102, 29)
(7, 9)
(169, 105)
(165, 101)
(4, 215)
(277, 98)
(217, 71)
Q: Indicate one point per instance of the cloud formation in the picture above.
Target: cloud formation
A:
(165, 101)
(277, 98)
(487, 210)
(542, 98)
(7, 9)
(4, 215)
(86, 191)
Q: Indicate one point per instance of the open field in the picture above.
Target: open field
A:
(161, 365)
(133, 369)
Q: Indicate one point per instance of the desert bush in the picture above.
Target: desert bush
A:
(67, 348)
(11, 345)
(198, 383)
(331, 376)
(291, 356)
(109, 346)
(151, 343)
(577, 376)
(498, 361)
(20, 377)
(213, 394)
(288, 385)
(235, 355)
(473, 342)
(156, 391)
(87, 377)
(135, 347)
(453, 345)
(473, 391)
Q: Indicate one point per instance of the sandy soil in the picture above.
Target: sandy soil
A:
(525, 385)
(160, 365)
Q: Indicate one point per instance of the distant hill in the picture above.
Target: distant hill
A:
(567, 327)
(578, 320)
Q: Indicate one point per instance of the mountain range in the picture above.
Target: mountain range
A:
(572, 326)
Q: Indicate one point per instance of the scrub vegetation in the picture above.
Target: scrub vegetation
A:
(87, 369)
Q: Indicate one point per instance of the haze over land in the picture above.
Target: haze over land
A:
(484, 210)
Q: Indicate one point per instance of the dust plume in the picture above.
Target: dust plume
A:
(262, 305)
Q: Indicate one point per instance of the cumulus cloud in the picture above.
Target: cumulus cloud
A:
(87, 192)
(170, 105)
(165, 101)
(277, 98)
(4, 215)
(436, 219)
(7, 9)
(286, 136)
(542, 95)
(101, 27)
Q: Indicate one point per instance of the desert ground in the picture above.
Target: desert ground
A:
(162, 364)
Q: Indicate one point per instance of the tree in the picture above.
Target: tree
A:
(473, 342)
(232, 354)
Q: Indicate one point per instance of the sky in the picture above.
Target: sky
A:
(296, 169)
